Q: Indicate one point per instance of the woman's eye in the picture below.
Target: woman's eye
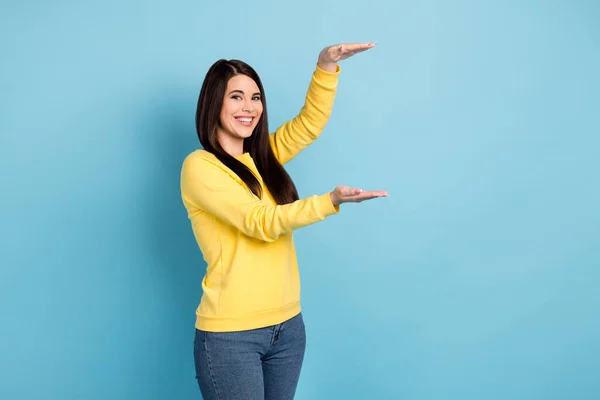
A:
(236, 97)
(257, 98)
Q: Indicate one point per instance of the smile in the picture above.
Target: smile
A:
(246, 121)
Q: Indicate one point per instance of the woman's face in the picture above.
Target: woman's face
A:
(242, 108)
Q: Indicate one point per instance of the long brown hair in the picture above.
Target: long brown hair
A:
(210, 101)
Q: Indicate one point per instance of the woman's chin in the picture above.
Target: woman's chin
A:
(245, 134)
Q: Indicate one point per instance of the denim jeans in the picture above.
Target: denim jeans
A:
(256, 364)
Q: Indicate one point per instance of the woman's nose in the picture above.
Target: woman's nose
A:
(247, 106)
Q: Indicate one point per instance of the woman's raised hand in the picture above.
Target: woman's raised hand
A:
(329, 56)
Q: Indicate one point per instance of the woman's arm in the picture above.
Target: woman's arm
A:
(295, 135)
(206, 185)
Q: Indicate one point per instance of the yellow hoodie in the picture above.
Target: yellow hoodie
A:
(252, 277)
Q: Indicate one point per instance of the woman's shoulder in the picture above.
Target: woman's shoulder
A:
(204, 164)
(199, 157)
(201, 154)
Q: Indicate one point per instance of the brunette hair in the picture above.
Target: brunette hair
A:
(210, 101)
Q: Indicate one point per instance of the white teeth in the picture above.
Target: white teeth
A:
(244, 119)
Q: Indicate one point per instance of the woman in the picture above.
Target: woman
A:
(243, 206)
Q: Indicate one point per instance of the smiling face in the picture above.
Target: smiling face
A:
(241, 111)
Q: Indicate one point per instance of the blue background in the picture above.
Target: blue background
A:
(476, 279)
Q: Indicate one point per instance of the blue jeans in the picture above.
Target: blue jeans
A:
(256, 364)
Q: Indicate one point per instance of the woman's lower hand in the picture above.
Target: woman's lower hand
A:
(346, 194)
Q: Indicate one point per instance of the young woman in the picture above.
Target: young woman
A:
(243, 207)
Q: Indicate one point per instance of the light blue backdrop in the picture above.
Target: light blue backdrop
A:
(476, 279)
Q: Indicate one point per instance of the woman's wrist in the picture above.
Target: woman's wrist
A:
(334, 199)
(327, 66)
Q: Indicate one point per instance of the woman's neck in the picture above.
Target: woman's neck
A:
(233, 146)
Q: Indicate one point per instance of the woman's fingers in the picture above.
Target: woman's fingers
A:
(348, 50)
(357, 195)
(343, 51)
(371, 195)
(346, 194)
(356, 47)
